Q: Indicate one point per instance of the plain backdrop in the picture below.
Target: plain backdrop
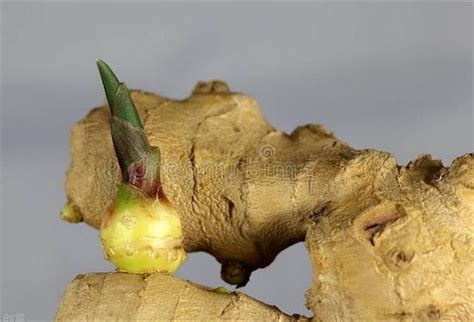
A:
(392, 76)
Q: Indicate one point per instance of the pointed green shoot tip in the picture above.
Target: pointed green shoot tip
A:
(109, 80)
(118, 96)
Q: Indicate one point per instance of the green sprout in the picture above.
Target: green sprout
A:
(222, 290)
(142, 231)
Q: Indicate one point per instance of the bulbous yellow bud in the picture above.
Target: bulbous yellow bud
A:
(142, 235)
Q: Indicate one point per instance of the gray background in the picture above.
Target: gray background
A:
(396, 77)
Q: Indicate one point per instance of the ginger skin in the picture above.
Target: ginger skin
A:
(387, 242)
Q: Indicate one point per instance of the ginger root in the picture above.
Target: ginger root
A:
(157, 297)
(387, 242)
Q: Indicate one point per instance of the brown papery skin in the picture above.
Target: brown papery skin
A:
(387, 242)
